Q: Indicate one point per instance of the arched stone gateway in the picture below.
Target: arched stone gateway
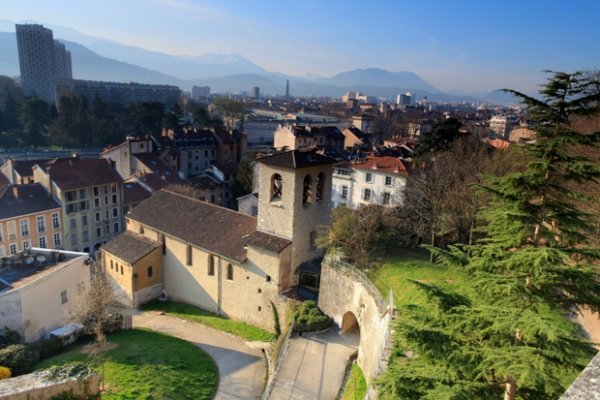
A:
(359, 312)
(349, 323)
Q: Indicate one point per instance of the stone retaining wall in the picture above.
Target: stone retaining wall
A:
(40, 386)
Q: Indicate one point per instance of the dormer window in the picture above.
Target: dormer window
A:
(276, 187)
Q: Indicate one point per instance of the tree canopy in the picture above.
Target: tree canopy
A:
(506, 335)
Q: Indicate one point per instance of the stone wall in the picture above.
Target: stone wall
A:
(38, 386)
(345, 294)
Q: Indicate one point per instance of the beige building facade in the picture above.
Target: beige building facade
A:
(220, 260)
(29, 217)
(40, 290)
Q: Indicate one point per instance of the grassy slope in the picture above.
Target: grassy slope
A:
(356, 386)
(186, 311)
(397, 272)
(150, 365)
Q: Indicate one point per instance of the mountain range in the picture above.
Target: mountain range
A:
(96, 58)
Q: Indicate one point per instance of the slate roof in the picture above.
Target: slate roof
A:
(23, 167)
(16, 200)
(216, 229)
(73, 173)
(4, 180)
(134, 192)
(269, 242)
(130, 246)
(296, 159)
(158, 167)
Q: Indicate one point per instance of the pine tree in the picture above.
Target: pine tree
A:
(506, 334)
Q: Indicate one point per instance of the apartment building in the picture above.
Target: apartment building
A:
(29, 217)
(91, 196)
(377, 180)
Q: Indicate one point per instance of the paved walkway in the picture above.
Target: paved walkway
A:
(242, 369)
(313, 367)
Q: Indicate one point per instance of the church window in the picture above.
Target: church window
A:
(307, 191)
(188, 255)
(320, 186)
(211, 265)
(229, 272)
(312, 239)
(276, 187)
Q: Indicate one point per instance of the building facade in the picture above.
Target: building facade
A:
(40, 289)
(29, 217)
(124, 93)
(374, 181)
(221, 260)
(91, 196)
(42, 61)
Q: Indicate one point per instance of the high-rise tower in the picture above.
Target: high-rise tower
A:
(287, 89)
(42, 61)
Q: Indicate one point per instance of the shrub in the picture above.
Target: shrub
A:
(276, 320)
(309, 318)
(5, 373)
(8, 337)
(19, 358)
(49, 347)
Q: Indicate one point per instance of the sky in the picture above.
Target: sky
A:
(464, 45)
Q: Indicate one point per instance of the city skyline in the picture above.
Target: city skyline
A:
(454, 46)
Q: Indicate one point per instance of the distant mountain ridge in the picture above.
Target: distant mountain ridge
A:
(101, 59)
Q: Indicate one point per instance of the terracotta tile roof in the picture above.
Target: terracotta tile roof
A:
(16, 200)
(389, 165)
(296, 159)
(213, 228)
(130, 246)
(499, 144)
(267, 241)
(74, 173)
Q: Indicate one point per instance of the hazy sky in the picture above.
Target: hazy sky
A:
(453, 44)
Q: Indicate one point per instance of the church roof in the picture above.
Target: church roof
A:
(269, 242)
(216, 229)
(296, 159)
(130, 247)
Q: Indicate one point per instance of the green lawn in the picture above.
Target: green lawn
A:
(397, 273)
(149, 365)
(191, 313)
(356, 386)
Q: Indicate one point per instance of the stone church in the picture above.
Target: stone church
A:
(221, 260)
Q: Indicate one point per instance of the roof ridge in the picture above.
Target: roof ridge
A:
(167, 190)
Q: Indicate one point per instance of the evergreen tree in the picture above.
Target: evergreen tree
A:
(506, 334)
(440, 138)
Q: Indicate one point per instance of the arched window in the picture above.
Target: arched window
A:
(307, 190)
(320, 187)
(150, 272)
(312, 240)
(211, 265)
(276, 187)
(229, 272)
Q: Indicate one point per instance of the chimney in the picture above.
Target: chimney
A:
(15, 191)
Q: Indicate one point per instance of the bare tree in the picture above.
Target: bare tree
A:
(93, 312)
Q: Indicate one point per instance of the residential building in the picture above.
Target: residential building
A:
(221, 260)
(355, 138)
(502, 125)
(91, 196)
(363, 122)
(293, 137)
(42, 61)
(20, 172)
(200, 92)
(40, 289)
(29, 217)
(379, 180)
(124, 93)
